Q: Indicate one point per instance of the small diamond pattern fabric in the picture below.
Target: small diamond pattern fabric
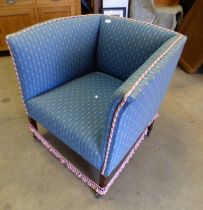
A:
(76, 113)
(75, 72)
(52, 54)
(125, 45)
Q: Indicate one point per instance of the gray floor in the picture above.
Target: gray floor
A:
(165, 173)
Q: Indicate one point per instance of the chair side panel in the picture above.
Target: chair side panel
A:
(138, 113)
(54, 52)
(124, 45)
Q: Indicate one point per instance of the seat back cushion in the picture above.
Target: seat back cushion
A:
(54, 52)
(124, 45)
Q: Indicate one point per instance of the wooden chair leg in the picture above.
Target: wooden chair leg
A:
(150, 127)
(103, 180)
(33, 123)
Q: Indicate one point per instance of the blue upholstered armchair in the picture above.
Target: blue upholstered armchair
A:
(96, 82)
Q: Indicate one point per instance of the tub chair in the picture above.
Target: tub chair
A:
(96, 82)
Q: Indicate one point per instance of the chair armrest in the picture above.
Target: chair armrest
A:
(141, 94)
(153, 66)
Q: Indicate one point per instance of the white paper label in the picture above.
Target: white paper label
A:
(107, 21)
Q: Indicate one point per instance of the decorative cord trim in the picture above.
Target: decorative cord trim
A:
(77, 172)
(122, 103)
(70, 17)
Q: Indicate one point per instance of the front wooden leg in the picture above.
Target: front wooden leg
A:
(103, 180)
(150, 127)
(33, 122)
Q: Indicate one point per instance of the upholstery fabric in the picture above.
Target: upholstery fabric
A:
(143, 103)
(54, 53)
(76, 113)
(129, 44)
(75, 73)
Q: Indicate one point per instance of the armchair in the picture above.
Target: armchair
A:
(96, 82)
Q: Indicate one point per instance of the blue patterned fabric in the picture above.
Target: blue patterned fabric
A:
(125, 45)
(75, 72)
(143, 103)
(76, 113)
(50, 55)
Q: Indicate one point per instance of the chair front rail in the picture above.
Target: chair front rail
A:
(104, 185)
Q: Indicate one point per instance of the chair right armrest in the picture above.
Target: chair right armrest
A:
(142, 94)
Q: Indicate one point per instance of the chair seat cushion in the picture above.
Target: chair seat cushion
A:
(76, 113)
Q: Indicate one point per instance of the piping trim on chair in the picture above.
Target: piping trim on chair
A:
(70, 17)
(77, 172)
(122, 103)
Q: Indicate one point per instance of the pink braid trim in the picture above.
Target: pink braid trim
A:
(77, 172)
(70, 17)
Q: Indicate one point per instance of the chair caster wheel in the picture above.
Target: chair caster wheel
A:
(97, 195)
(36, 139)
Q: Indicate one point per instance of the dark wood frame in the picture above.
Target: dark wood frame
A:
(4, 53)
(103, 180)
(98, 5)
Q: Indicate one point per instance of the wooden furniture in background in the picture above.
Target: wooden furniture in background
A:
(18, 14)
(97, 6)
(192, 27)
(166, 2)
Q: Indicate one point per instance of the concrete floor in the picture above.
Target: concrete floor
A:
(166, 172)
